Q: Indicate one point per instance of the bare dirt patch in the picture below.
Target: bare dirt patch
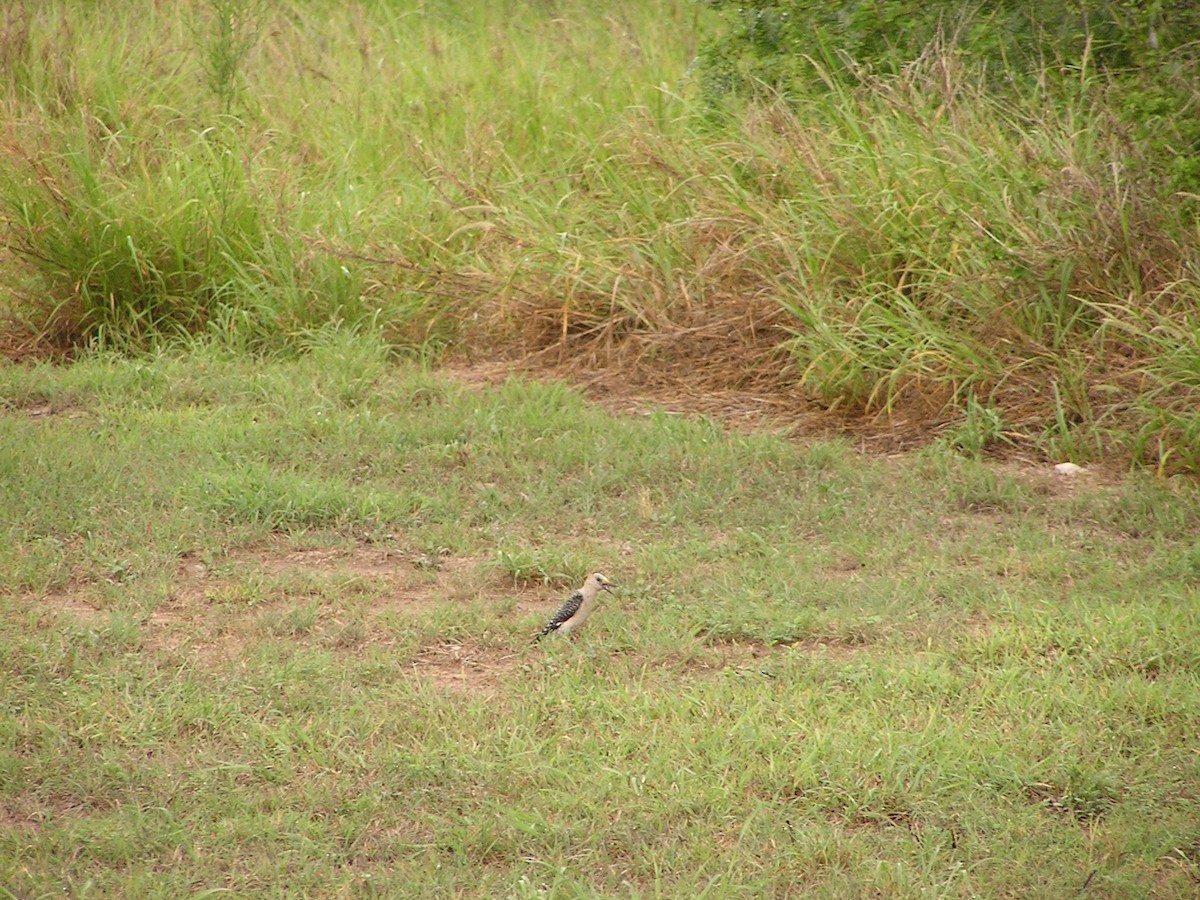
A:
(74, 603)
(834, 644)
(639, 389)
(389, 579)
(358, 561)
(845, 565)
(713, 660)
(29, 814)
(461, 668)
(39, 408)
(213, 611)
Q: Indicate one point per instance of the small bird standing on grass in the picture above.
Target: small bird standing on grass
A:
(576, 608)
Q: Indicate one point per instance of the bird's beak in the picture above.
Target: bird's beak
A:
(607, 586)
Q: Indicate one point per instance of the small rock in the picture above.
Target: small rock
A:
(1068, 469)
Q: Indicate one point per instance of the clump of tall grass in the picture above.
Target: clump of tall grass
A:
(226, 37)
(120, 244)
(117, 243)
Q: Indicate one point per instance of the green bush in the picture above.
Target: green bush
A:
(789, 47)
(775, 42)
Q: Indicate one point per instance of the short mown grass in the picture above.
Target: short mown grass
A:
(266, 630)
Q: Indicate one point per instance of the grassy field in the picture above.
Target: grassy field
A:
(266, 630)
(275, 537)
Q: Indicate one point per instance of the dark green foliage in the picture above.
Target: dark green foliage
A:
(787, 47)
(776, 41)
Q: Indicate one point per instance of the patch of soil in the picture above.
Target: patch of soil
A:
(359, 561)
(715, 660)
(719, 655)
(212, 616)
(391, 580)
(640, 390)
(464, 669)
(29, 814)
(844, 565)
(834, 645)
(74, 603)
(20, 344)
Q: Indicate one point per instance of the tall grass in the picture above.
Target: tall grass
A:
(534, 178)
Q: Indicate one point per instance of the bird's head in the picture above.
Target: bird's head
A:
(602, 583)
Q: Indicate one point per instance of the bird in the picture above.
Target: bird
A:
(576, 608)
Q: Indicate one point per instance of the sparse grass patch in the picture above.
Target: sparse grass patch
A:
(823, 672)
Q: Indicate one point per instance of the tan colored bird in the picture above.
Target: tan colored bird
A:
(578, 607)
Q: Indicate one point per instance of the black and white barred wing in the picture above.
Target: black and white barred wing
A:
(569, 608)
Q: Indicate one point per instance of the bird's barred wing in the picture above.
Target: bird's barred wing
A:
(569, 608)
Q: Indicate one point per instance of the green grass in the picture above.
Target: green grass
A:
(515, 177)
(265, 629)
(268, 580)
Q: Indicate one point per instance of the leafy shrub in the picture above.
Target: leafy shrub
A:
(789, 47)
(774, 42)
